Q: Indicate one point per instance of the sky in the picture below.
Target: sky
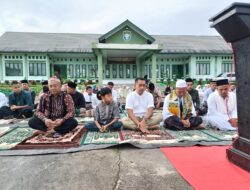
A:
(156, 17)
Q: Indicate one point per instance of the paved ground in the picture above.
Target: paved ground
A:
(116, 168)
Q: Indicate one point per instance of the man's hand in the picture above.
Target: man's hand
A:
(49, 124)
(234, 122)
(105, 127)
(58, 122)
(186, 123)
(143, 127)
(13, 107)
(158, 105)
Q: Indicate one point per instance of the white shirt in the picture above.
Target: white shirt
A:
(139, 103)
(213, 111)
(94, 101)
(114, 95)
(166, 114)
(87, 97)
(3, 100)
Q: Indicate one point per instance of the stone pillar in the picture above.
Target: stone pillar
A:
(100, 68)
(154, 68)
(233, 24)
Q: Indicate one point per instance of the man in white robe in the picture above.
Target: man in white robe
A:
(222, 107)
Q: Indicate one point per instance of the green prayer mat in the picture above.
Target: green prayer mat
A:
(192, 135)
(14, 137)
(221, 135)
(101, 138)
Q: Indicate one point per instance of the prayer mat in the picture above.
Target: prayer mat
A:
(7, 121)
(14, 137)
(84, 120)
(154, 135)
(191, 135)
(221, 135)
(4, 130)
(44, 141)
(92, 137)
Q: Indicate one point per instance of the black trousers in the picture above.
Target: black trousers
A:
(66, 126)
(5, 112)
(174, 123)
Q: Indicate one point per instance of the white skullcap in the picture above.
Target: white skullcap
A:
(181, 84)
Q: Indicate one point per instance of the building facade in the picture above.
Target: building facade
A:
(120, 55)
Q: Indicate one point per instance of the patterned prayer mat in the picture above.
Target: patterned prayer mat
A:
(102, 138)
(191, 135)
(71, 139)
(14, 137)
(152, 136)
(84, 120)
(221, 135)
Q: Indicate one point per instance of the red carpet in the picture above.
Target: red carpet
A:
(207, 168)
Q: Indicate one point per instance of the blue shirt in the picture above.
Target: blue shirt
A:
(21, 99)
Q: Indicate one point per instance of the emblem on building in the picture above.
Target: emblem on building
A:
(126, 35)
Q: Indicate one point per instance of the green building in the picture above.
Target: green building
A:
(120, 55)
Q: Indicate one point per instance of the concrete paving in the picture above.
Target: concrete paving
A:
(108, 169)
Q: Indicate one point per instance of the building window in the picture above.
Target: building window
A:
(203, 68)
(134, 71)
(115, 71)
(83, 71)
(78, 71)
(37, 69)
(107, 71)
(127, 71)
(70, 71)
(150, 71)
(121, 71)
(226, 67)
(157, 71)
(92, 71)
(167, 75)
(14, 69)
(162, 71)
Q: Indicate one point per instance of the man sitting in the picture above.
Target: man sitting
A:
(222, 107)
(114, 92)
(140, 105)
(55, 111)
(25, 86)
(178, 109)
(193, 93)
(156, 95)
(20, 102)
(90, 98)
(77, 97)
(210, 90)
(4, 107)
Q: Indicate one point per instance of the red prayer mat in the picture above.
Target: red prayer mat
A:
(207, 168)
(71, 139)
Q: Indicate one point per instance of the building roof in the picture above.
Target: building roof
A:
(77, 43)
(127, 23)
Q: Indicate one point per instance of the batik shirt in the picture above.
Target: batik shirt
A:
(55, 107)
